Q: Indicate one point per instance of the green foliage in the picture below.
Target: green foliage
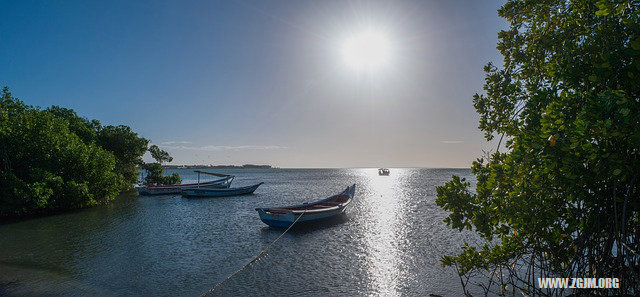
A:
(155, 175)
(563, 200)
(159, 155)
(121, 141)
(126, 146)
(53, 160)
(85, 129)
(155, 171)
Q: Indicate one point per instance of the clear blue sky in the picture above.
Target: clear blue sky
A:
(233, 82)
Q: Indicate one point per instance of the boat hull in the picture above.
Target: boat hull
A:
(207, 192)
(286, 220)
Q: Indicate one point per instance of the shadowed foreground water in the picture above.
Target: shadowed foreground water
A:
(389, 242)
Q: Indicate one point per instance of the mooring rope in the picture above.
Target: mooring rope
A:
(262, 252)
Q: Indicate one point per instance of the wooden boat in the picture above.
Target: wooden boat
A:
(311, 212)
(383, 171)
(209, 192)
(176, 189)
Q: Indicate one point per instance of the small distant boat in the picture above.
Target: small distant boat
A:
(177, 189)
(209, 192)
(383, 171)
(324, 209)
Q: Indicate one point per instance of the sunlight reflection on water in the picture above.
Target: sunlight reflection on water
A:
(384, 208)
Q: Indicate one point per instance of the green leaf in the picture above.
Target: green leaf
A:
(624, 111)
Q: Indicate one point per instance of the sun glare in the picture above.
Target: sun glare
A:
(367, 51)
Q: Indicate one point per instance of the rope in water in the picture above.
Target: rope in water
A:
(262, 252)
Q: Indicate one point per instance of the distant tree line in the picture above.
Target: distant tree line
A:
(563, 198)
(53, 160)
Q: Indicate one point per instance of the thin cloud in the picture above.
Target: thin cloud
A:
(451, 141)
(175, 142)
(223, 147)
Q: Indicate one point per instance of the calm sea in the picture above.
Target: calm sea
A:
(389, 242)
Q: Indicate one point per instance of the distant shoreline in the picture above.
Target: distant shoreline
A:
(252, 166)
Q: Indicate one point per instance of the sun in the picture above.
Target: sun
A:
(367, 51)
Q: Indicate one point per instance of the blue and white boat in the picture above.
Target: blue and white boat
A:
(209, 192)
(324, 209)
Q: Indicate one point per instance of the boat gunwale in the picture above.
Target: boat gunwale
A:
(298, 211)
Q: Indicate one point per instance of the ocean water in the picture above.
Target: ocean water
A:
(388, 243)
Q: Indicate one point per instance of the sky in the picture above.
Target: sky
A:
(263, 82)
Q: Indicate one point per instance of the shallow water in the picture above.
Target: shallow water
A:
(389, 242)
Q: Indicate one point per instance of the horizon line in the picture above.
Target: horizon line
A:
(284, 167)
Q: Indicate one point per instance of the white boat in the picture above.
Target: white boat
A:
(383, 171)
(209, 192)
(324, 209)
(176, 189)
